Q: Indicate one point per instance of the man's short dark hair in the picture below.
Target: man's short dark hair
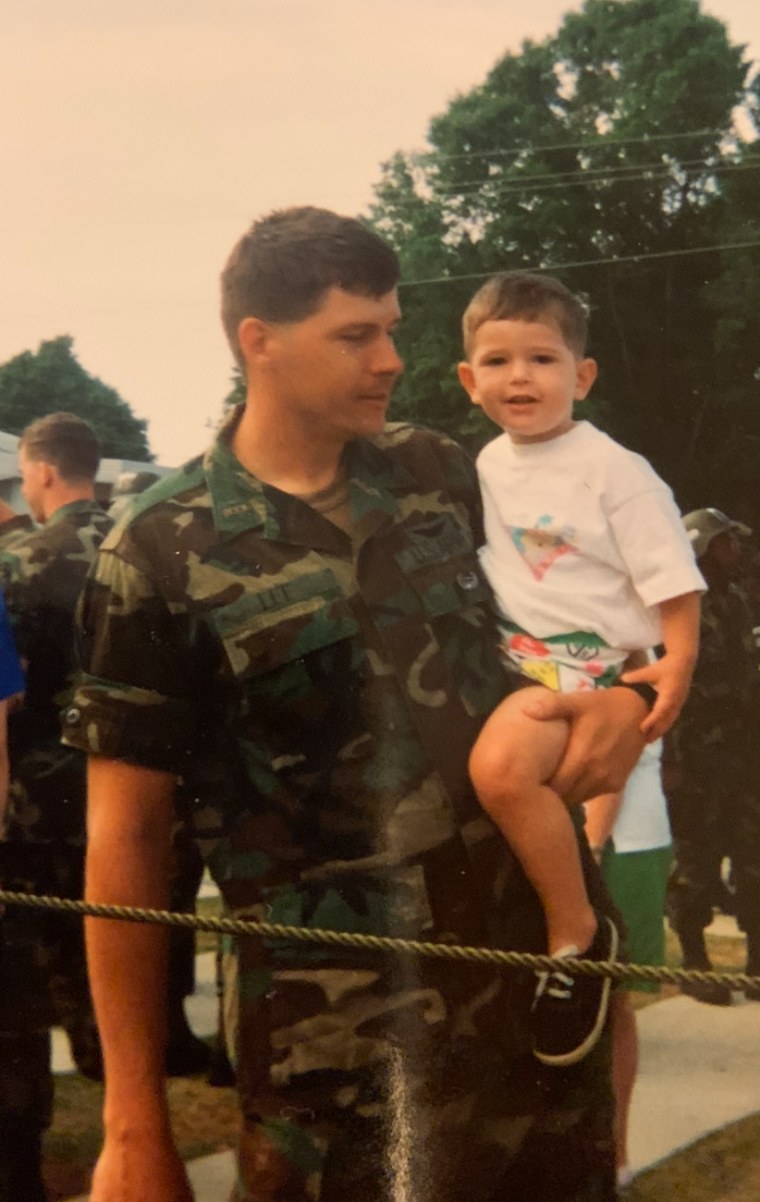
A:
(523, 295)
(67, 442)
(280, 268)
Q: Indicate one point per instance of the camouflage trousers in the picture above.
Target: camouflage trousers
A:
(715, 813)
(43, 976)
(412, 1081)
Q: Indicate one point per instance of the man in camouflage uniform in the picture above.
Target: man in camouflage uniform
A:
(712, 760)
(296, 626)
(42, 961)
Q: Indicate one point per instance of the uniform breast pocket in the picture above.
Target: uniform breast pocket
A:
(261, 631)
(450, 586)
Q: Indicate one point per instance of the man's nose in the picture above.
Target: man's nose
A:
(387, 361)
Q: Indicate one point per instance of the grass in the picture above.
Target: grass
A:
(722, 1167)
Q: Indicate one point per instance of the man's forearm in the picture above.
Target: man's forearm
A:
(127, 864)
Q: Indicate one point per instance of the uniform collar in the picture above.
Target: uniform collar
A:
(240, 501)
(72, 507)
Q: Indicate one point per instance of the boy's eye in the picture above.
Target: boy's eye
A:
(544, 358)
(494, 361)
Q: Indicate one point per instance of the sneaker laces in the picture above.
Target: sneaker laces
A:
(555, 983)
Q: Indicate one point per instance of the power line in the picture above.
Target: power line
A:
(664, 173)
(554, 267)
(580, 173)
(603, 141)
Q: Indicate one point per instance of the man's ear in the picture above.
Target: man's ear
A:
(253, 337)
(585, 374)
(467, 380)
(48, 473)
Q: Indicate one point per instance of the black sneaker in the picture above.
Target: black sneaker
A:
(569, 1011)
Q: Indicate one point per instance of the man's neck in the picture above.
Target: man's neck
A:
(59, 497)
(283, 457)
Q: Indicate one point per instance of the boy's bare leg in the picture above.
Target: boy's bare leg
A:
(512, 760)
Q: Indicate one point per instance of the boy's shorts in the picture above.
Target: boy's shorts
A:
(637, 881)
(579, 661)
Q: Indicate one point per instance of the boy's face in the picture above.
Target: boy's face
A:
(526, 378)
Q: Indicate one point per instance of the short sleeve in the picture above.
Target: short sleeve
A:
(653, 544)
(133, 701)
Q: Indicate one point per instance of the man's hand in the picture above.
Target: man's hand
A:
(671, 677)
(148, 1170)
(605, 739)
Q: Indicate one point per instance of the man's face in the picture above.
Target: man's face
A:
(32, 483)
(332, 373)
(725, 553)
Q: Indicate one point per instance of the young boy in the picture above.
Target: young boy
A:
(591, 567)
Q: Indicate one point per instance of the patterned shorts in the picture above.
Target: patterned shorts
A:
(566, 663)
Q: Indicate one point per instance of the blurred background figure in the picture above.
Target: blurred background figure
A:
(712, 761)
(42, 570)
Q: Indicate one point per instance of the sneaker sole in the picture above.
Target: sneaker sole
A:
(583, 1049)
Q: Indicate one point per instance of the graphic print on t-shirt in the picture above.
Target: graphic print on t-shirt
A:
(539, 547)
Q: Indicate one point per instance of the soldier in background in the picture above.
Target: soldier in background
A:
(42, 964)
(712, 761)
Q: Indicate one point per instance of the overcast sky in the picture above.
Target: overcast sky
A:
(139, 140)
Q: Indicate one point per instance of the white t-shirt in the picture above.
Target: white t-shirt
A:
(582, 534)
(642, 820)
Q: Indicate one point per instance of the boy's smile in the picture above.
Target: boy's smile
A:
(526, 378)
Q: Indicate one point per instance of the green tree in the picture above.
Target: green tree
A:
(51, 380)
(611, 140)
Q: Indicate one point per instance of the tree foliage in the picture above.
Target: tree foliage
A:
(51, 380)
(607, 154)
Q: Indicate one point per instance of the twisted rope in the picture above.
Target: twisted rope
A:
(380, 943)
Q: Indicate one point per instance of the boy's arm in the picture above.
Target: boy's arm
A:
(671, 675)
(130, 812)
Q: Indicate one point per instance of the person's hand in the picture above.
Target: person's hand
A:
(145, 1169)
(605, 739)
(671, 677)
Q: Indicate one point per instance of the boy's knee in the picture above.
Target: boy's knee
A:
(493, 771)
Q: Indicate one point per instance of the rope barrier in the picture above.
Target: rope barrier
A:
(380, 943)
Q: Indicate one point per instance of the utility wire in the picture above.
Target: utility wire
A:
(554, 267)
(580, 174)
(603, 141)
(506, 186)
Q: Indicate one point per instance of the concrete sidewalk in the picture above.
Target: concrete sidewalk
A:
(699, 1071)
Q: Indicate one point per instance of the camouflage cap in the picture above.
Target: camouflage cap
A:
(702, 525)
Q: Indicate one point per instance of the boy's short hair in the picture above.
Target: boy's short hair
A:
(529, 297)
(66, 441)
(282, 266)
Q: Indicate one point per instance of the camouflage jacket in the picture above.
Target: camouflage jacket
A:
(723, 706)
(42, 573)
(317, 694)
(14, 528)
